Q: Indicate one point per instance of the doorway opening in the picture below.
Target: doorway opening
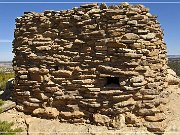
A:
(112, 82)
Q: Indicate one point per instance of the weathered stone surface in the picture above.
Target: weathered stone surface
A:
(47, 112)
(34, 100)
(156, 127)
(51, 89)
(103, 6)
(146, 112)
(157, 118)
(124, 104)
(43, 71)
(172, 78)
(133, 22)
(101, 119)
(36, 77)
(94, 64)
(130, 36)
(62, 73)
(7, 105)
(131, 118)
(33, 70)
(89, 5)
(75, 114)
(31, 104)
(150, 36)
(137, 79)
(119, 121)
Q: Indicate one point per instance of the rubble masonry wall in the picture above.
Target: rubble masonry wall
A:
(93, 64)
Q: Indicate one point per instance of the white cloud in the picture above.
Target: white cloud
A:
(5, 41)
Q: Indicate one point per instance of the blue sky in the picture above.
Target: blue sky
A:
(168, 16)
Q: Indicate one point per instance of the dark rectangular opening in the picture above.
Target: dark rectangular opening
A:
(112, 82)
(55, 68)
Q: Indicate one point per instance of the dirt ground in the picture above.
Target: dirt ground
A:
(32, 125)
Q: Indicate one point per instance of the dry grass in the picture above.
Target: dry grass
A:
(4, 77)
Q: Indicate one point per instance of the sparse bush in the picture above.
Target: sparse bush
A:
(1, 103)
(6, 128)
(4, 77)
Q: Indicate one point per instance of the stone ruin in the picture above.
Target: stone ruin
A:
(98, 64)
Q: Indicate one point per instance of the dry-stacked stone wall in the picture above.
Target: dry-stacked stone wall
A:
(93, 64)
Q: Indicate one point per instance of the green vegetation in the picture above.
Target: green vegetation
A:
(6, 128)
(4, 77)
(175, 65)
(1, 103)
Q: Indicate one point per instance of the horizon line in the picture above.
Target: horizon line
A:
(71, 2)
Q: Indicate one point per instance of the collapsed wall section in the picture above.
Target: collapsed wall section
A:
(94, 64)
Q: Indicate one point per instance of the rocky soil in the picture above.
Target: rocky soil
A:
(32, 125)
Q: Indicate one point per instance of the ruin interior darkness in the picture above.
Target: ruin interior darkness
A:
(112, 82)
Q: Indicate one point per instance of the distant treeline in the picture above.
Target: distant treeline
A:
(174, 63)
(10, 62)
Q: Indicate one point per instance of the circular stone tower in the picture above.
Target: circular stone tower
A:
(96, 64)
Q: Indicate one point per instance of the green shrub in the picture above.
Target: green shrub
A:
(1, 102)
(6, 128)
(4, 77)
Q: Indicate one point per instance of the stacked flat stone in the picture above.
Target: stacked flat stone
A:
(64, 60)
